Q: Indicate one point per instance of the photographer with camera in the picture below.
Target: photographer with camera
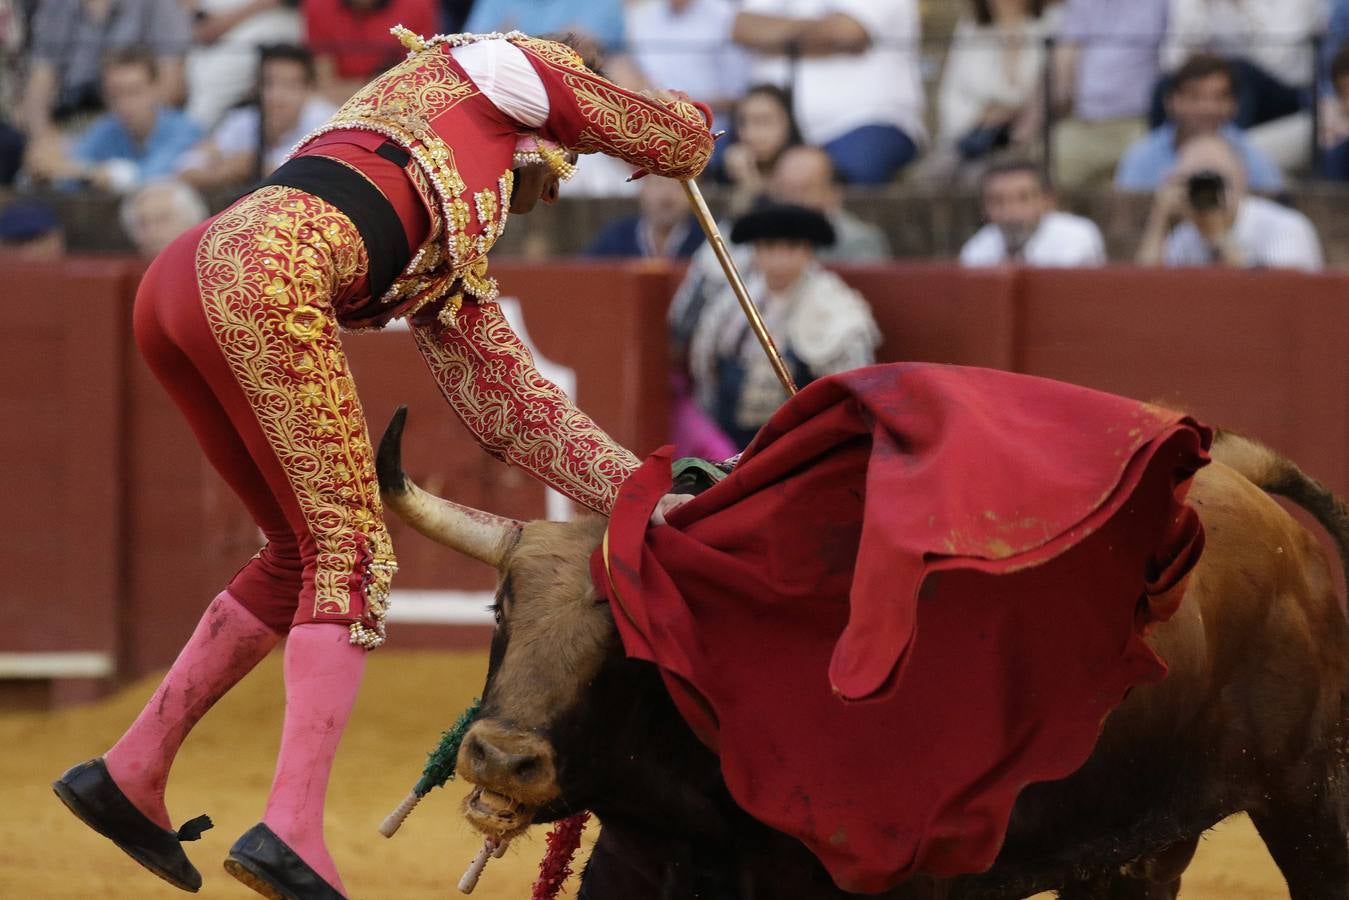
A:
(1203, 217)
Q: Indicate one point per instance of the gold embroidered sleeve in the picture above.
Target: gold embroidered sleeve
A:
(589, 114)
(488, 376)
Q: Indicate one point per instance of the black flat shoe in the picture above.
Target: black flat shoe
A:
(89, 792)
(263, 862)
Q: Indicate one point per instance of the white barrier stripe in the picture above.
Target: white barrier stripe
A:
(440, 607)
(75, 664)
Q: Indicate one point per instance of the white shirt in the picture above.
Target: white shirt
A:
(981, 71)
(838, 93)
(689, 51)
(1063, 241)
(503, 73)
(1270, 33)
(1268, 235)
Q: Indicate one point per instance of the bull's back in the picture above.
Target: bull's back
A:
(1257, 663)
(1260, 638)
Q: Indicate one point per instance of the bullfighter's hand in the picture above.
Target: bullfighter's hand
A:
(668, 504)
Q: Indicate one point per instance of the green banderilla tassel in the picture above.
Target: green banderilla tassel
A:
(439, 768)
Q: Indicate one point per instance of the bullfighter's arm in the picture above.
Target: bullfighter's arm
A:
(590, 114)
(488, 376)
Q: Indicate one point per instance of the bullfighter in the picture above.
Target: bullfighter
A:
(386, 212)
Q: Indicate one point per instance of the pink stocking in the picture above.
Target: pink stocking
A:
(227, 643)
(323, 674)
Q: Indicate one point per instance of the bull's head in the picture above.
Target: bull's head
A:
(553, 635)
(568, 723)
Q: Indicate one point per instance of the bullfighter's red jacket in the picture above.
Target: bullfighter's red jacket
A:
(462, 155)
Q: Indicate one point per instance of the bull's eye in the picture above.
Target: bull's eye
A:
(495, 608)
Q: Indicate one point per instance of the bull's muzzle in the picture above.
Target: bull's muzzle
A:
(513, 773)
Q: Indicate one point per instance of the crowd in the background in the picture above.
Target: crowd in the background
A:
(1214, 107)
(117, 94)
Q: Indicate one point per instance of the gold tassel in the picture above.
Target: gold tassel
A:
(414, 42)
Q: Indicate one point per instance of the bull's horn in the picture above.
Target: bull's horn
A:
(480, 535)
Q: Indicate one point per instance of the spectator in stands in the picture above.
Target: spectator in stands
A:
(137, 140)
(599, 20)
(663, 229)
(159, 212)
(288, 109)
(1104, 69)
(1201, 101)
(1203, 217)
(1267, 41)
(70, 39)
(1337, 156)
(1024, 228)
(686, 45)
(764, 130)
(350, 38)
(30, 230)
(820, 325)
(222, 68)
(805, 176)
(993, 75)
(853, 70)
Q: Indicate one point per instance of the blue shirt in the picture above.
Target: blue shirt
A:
(623, 238)
(1149, 161)
(600, 19)
(107, 139)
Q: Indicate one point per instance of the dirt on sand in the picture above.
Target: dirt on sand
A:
(407, 700)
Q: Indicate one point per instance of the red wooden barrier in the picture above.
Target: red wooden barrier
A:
(62, 357)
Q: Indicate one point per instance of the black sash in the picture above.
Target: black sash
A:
(386, 244)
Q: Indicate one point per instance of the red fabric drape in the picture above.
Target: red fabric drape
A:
(923, 588)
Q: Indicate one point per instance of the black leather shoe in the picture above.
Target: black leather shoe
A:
(262, 861)
(89, 792)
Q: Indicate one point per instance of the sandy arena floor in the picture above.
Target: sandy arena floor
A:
(225, 770)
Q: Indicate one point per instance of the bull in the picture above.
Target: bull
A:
(1253, 717)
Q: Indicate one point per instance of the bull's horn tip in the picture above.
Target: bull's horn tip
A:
(389, 460)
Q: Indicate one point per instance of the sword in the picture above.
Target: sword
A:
(709, 225)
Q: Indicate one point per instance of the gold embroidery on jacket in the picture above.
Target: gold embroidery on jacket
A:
(485, 201)
(489, 379)
(554, 52)
(627, 128)
(268, 270)
(400, 105)
(426, 278)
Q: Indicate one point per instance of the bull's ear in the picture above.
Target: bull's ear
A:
(481, 535)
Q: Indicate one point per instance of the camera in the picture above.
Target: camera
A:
(1207, 191)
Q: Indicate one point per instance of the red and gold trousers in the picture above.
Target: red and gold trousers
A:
(236, 318)
(239, 319)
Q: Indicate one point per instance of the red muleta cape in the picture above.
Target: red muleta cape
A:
(923, 588)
